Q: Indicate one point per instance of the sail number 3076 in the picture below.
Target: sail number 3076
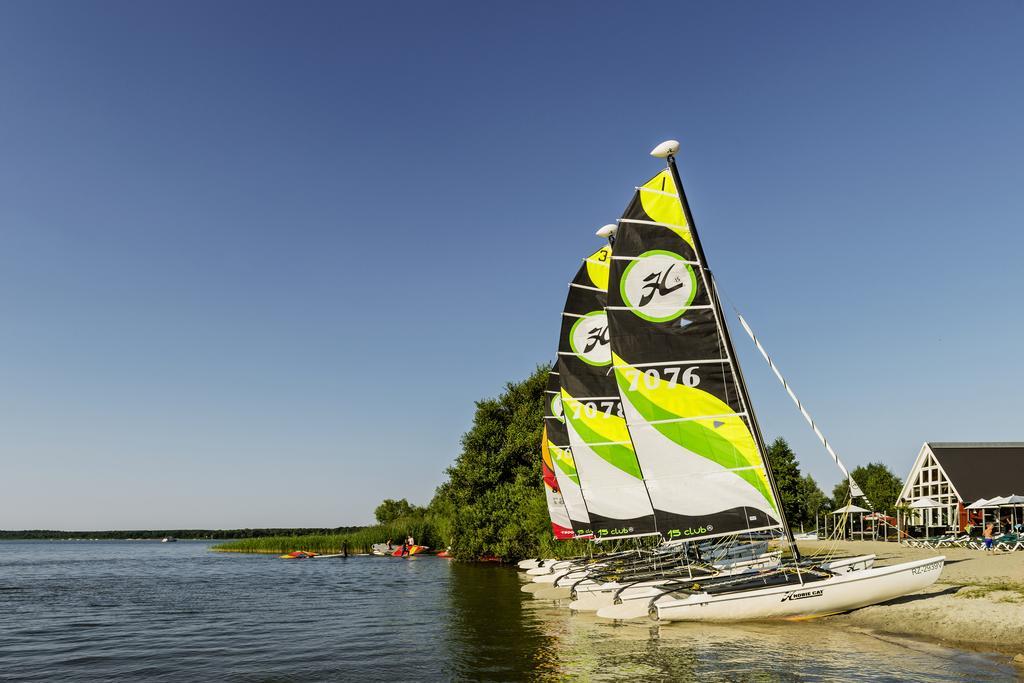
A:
(673, 376)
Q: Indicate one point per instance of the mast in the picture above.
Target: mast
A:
(667, 150)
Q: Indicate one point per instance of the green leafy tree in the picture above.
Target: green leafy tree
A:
(787, 479)
(879, 483)
(813, 499)
(493, 501)
(390, 510)
(802, 498)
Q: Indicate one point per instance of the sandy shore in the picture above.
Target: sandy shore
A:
(978, 602)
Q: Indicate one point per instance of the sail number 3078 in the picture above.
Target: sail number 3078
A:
(673, 376)
(592, 408)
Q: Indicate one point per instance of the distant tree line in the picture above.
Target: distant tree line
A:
(205, 534)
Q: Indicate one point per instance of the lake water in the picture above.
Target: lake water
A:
(97, 611)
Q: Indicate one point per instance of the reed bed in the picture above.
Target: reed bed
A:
(421, 528)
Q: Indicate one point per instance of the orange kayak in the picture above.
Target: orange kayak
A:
(412, 550)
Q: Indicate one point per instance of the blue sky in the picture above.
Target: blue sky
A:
(259, 260)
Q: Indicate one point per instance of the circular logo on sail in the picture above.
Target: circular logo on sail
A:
(658, 285)
(589, 339)
(556, 407)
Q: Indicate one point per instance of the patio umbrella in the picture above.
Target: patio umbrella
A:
(979, 504)
(1013, 502)
(924, 503)
(851, 508)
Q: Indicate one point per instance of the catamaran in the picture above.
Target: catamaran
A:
(687, 435)
(589, 411)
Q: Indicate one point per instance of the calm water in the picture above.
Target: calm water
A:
(90, 611)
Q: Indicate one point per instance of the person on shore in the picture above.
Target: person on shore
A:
(987, 535)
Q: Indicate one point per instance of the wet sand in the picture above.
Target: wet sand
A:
(977, 603)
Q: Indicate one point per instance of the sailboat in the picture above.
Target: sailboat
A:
(612, 484)
(694, 434)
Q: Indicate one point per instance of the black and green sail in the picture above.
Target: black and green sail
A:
(688, 422)
(557, 456)
(610, 477)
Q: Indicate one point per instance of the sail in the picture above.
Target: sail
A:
(561, 525)
(612, 483)
(558, 457)
(680, 389)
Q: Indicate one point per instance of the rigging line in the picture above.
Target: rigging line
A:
(690, 418)
(592, 289)
(641, 258)
(855, 490)
(661, 192)
(671, 362)
(654, 223)
(656, 307)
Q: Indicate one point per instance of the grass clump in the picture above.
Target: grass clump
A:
(1010, 591)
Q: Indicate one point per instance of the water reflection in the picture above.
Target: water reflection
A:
(135, 611)
(491, 636)
(586, 647)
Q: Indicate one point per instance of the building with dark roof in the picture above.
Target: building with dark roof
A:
(954, 475)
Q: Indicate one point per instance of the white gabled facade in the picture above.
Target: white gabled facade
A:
(927, 479)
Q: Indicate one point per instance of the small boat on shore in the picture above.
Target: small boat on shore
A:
(298, 555)
(392, 550)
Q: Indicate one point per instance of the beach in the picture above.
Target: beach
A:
(977, 603)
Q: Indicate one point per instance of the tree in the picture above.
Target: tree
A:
(390, 510)
(787, 479)
(493, 501)
(813, 499)
(879, 484)
(802, 498)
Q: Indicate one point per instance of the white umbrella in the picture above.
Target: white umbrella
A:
(1013, 501)
(978, 504)
(850, 508)
(923, 503)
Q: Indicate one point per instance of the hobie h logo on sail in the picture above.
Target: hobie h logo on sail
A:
(658, 285)
(589, 339)
(556, 408)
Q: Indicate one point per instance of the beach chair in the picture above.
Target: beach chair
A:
(934, 541)
(951, 542)
(1007, 543)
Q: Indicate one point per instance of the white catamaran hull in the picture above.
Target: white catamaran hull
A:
(635, 602)
(814, 599)
(592, 596)
(549, 567)
(525, 565)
